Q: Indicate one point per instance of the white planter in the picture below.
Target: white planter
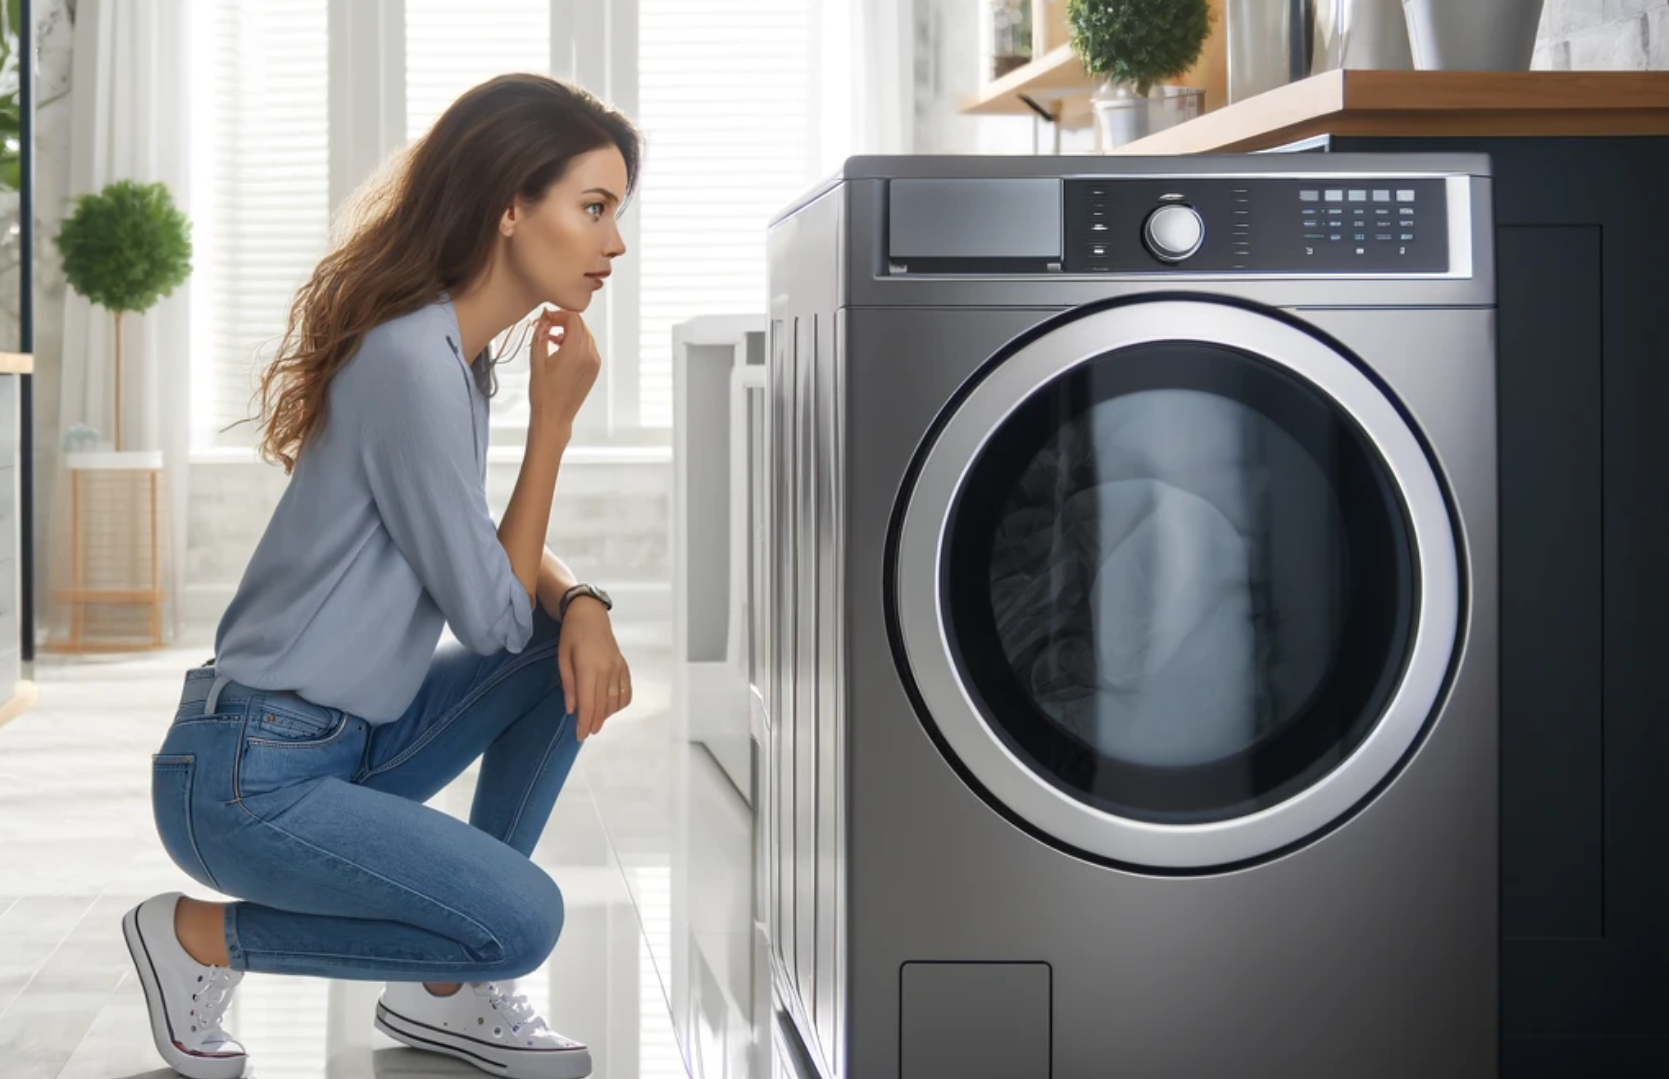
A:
(1123, 116)
(1474, 35)
(1360, 34)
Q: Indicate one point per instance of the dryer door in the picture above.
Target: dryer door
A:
(1176, 585)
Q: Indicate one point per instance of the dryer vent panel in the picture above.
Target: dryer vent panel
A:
(949, 1011)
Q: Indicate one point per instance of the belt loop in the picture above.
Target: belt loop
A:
(213, 699)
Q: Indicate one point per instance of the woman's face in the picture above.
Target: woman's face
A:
(561, 247)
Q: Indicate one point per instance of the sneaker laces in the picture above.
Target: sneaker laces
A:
(514, 1006)
(212, 1000)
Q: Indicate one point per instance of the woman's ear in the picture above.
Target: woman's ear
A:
(507, 222)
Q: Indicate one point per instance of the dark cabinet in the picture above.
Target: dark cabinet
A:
(1583, 257)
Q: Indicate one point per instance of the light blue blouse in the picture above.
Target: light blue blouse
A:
(382, 537)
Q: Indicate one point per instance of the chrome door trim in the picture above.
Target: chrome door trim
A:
(958, 719)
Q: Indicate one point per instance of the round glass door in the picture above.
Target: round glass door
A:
(1176, 584)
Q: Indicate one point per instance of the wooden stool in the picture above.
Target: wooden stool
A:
(87, 469)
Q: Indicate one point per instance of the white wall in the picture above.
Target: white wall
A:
(1604, 35)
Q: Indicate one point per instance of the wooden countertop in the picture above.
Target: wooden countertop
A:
(16, 363)
(1391, 103)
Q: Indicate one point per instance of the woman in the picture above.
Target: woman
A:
(295, 772)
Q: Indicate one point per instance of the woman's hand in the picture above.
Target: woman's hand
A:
(562, 365)
(596, 682)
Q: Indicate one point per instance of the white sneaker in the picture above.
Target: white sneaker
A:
(491, 1027)
(185, 998)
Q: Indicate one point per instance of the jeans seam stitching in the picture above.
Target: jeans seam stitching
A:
(187, 762)
(237, 761)
(367, 870)
(377, 960)
(316, 743)
(522, 662)
(533, 781)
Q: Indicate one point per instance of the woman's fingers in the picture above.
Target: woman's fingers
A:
(565, 670)
(603, 688)
(588, 701)
(616, 689)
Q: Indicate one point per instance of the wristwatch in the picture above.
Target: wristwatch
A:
(583, 590)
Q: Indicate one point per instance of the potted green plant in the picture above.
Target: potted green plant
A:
(1135, 45)
(124, 249)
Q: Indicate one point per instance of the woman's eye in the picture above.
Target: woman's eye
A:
(596, 210)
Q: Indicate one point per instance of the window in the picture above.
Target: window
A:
(740, 100)
(260, 170)
(728, 98)
(451, 47)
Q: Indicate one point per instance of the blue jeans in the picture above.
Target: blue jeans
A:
(315, 819)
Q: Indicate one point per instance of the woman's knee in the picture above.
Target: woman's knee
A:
(530, 923)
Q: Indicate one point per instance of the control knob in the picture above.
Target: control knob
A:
(1174, 232)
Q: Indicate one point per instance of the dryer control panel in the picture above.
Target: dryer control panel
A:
(1276, 224)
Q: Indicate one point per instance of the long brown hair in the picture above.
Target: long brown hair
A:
(425, 225)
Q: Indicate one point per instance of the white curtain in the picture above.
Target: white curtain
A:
(883, 75)
(129, 121)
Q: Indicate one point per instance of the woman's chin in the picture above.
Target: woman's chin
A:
(576, 299)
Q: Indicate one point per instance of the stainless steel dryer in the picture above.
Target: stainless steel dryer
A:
(1128, 686)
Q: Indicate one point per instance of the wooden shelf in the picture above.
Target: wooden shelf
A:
(1058, 84)
(1426, 103)
(1057, 81)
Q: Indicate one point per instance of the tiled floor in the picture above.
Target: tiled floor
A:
(649, 842)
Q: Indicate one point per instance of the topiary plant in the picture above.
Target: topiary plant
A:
(124, 249)
(1141, 42)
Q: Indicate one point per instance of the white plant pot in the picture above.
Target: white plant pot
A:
(1123, 116)
(1472, 35)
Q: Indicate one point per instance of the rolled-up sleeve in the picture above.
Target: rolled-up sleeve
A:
(418, 447)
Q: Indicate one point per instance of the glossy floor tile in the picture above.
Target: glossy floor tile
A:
(651, 844)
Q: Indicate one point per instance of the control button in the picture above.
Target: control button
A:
(1334, 213)
(1407, 236)
(1382, 212)
(1405, 211)
(1382, 235)
(1335, 236)
(1382, 196)
(1335, 196)
(1309, 196)
(1360, 236)
(1100, 250)
(1174, 232)
(1315, 236)
(1358, 196)
(1405, 195)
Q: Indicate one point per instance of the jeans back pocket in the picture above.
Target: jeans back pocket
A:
(172, 781)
